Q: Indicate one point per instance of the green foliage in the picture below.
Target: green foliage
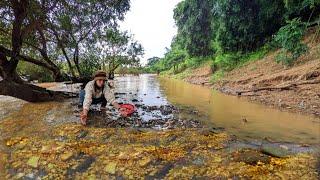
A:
(289, 40)
(233, 32)
(91, 62)
(152, 61)
(307, 10)
(56, 31)
(130, 70)
(227, 61)
(193, 18)
(196, 61)
(33, 72)
(119, 48)
(245, 25)
(173, 58)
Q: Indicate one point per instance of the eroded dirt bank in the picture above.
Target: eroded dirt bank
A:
(295, 89)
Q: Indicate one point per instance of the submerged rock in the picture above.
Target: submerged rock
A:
(250, 156)
(82, 134)
(275, 151)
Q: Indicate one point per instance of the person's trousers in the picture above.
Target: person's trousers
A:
(102, 100)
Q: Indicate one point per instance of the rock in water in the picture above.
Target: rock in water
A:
(275, 151)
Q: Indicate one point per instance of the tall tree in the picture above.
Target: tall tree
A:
(119, 48)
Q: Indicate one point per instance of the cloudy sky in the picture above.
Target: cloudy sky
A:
(151, 22)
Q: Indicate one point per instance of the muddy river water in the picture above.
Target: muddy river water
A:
(238, 116)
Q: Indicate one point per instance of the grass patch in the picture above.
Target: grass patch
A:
(231, 60)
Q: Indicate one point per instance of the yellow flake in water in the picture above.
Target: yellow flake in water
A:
(111, 168)
(33, 161)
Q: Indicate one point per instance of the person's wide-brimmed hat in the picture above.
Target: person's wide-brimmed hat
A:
(100, 75)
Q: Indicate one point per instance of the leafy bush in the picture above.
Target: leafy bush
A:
(227, 61)
(289, 39)
(255, 55)
(196, 61)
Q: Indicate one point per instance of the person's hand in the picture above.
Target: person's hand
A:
(83, 118)
(123, 112)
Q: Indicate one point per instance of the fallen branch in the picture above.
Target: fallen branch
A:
(282, 87)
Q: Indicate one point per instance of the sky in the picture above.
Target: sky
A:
(151, 22)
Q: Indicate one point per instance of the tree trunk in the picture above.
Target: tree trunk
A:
(12, 85)
(25, 92)
(76, 60)
(64, 52)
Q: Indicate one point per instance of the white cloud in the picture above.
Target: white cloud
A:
(151, 22)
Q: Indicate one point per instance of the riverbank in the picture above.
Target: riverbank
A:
(295, 89)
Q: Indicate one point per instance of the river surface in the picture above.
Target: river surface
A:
(244, 119)
(237, 116)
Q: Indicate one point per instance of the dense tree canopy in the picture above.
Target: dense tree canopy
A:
(226, 29)
(193, 21)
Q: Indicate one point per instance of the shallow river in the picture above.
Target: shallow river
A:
(244, 119)
(237, 116)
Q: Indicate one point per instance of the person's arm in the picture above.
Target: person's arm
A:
(109, 95)
(86, 103)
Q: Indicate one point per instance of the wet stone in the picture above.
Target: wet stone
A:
(250, 156)
(82, 134)
(156, 117)
(61, 138)
(198, 161)
(275, 151)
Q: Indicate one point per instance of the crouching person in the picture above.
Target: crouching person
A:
(96, 92)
